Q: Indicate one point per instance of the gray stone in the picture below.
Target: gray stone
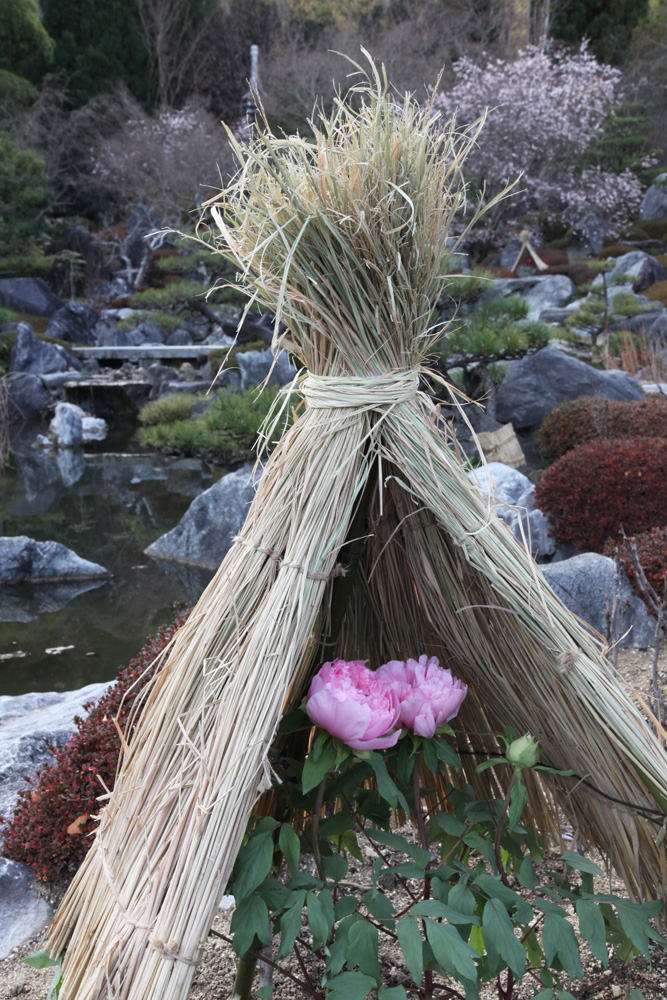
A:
(654, 202)
(22, 558)
(29, 295)
(29, 354)
(541, 292)
(75, 323)
(642, 322)
(537, 383)
(256, 366)
(67, 426)
(111, 337)
(23, 912)
(657, 331)
(589, 232)
(640, 268)
(178, 338)
(515, 505)
(205, 533)
(29, 725)
(584, 584)
(150, 333)
(71, 465)
(27, 396)
(509, 253)
(504, 483)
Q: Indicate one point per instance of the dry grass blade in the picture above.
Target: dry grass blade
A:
(345, 237)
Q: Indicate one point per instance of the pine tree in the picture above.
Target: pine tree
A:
(97, 47)
(607, 23)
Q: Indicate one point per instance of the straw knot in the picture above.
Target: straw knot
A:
(360, 392)
(170, 951)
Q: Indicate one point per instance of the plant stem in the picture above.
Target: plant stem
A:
(499, 830)
(245, 972)
(421, 826)
(285, 972)
(319, 798)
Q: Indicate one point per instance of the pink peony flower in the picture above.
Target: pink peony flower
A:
(354, 704)
(428, 694)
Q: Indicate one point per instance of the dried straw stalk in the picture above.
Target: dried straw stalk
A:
(344, 237)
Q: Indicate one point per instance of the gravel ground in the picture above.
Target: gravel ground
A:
(215, 977)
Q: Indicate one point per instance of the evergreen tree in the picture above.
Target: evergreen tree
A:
(97, 47)
(607, 23)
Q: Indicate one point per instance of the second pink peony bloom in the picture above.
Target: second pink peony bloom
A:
(429, 696)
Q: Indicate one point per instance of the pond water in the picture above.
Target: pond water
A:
(107, 506)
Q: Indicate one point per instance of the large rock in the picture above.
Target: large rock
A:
(75, 323)
(205, 533)
(585, 584)
(638, 267)
(29, 725)
(67, 426)
(541, 292)
(654, 202)
(29, 354)
(256, 366)
(23, 912)
(27, 396)
(536, 384)
(22, 558)
(29, 295)
(512, 494)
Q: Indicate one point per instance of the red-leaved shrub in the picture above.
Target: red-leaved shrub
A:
(595, 489)
(652, 554)
(590, 418)
(67, 790)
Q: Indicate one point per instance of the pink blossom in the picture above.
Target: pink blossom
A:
(429, 696)
(354, 704)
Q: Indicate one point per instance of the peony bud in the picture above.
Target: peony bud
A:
(524, 752)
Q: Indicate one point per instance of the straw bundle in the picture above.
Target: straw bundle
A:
(344, 237)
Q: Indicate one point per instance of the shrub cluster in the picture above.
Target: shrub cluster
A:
(225, 432)
(593, 490)
(67, 790)
(652, 553)
(590, 418)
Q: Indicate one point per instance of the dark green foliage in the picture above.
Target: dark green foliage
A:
(595, 489)
(68, 789)
(24, 192)
(607, 23)
(96, 49)
(23, 38)
(226, 432)
(625, 143)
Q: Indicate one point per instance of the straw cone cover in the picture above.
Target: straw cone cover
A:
(344, 235)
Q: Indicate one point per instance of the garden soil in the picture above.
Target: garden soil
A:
(215, 978)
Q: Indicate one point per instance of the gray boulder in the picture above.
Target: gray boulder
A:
(205, 533)
(75, 323)
(23, 912)
(25, 604)
(589, 232)
(109, 336)
(536, 384)
(584, 584)
(541, 292)
(256, 365)
(29, 295)
(654, 202)
(150, 333)
(179, 338)
(29, 354)
(513, 494)
(640, 268)
(22, 558)
(657, 331)
(67, 426)
(27, 396)
(29, 725)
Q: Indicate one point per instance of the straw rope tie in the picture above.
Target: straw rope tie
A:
(169, 951)
(324, 392)
(278, 560)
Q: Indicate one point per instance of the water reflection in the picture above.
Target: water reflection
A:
(107, 508)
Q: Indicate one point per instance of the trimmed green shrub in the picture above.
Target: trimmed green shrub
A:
(68, 789)
(167, 409)
(657, 292)
(590, 418)
(592, 491)
(226, 432)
